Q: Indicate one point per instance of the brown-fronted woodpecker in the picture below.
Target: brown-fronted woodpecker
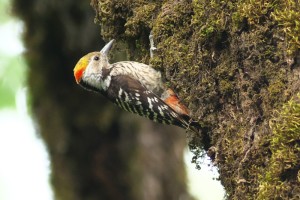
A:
(133, 86)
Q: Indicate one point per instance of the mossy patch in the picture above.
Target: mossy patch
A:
(281, 179)
(284, 13)
(231, 62)
(287, 15)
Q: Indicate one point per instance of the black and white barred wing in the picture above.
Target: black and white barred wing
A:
(132, 96)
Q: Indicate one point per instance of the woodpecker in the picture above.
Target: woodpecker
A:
(133, 86)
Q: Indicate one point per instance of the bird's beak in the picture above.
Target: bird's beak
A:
(107, 47)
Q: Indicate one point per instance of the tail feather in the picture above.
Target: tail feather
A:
(195, 126)
(185, 121)
(173, 101)
(190, 124)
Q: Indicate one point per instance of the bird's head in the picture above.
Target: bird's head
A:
(88, 71)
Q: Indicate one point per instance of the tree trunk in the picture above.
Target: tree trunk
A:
(237, 65)
(96, 150)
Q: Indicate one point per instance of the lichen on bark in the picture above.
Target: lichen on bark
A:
(232, 62)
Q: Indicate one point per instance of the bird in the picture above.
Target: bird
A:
(135, 87)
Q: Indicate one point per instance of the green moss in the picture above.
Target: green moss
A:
(125, 19)
(281, 179)
(255, 11)
(141, 18)
(209, 23)
(225, 86)
(228, 62)
(287, 15)
(274, 90)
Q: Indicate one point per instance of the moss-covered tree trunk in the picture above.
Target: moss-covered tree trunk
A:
(237, 65)
(96, 150)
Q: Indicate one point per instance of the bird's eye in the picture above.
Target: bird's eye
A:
(96, 58)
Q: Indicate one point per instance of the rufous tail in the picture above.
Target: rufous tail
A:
(174, 102)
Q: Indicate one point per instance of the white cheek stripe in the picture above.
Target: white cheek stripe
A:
(93, 76)
(90, 71)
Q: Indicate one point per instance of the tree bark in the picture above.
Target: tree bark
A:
(96, 150)
(237, 65)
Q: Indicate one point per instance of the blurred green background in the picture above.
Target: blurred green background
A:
(24, 165)
(13, 70)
